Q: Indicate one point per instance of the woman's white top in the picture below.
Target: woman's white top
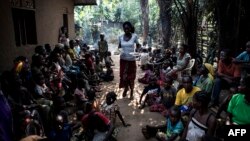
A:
(144, 58)
(128, 47)
(182, 62)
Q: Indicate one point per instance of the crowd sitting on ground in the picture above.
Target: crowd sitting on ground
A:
(66, 73)
(197, 97)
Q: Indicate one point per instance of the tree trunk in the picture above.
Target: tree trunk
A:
(165, 18)
(145, 12)
(228, 17)
(191, 29)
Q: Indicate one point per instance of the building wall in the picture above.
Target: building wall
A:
(49, 19)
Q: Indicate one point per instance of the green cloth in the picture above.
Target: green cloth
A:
(205, 84)
(239, 109)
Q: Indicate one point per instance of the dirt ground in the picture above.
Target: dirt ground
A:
(129, 108)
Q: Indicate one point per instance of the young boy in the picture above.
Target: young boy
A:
(169, 131)
(110, 108)
(151, 91)
(103, 47)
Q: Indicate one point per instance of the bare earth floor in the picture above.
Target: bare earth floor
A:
(129, 109)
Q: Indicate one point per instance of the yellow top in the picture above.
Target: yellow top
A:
(183, 98)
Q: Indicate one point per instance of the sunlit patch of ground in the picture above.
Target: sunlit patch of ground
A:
(129, 108)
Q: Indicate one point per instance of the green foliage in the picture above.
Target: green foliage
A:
(116, 11)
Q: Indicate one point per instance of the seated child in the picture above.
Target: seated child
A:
(167, 94)
(163, 71)
(110, 108)
(108, 59)
(98, 66)
(109, 74)
(147, 74)
(144, 58)
(151, 91)
(169, 131)
(62, 129)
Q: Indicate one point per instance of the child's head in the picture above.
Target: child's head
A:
(174, 114)
(111, 97)
(201, 99)
(168, 52)
(108, 65)
(102, 36)
(168, 81)
(108, 53)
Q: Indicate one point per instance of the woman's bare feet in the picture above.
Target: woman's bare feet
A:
(124, 94)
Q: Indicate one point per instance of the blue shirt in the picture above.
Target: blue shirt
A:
(62, 135)
(244, 56)
(174, 129)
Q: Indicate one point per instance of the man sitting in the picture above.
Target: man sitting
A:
(228, 75)
(185, 95)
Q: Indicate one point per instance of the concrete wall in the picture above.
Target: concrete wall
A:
(49, 18)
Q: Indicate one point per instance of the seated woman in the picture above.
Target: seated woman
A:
(239, 107)
(182, 61)
(204, 81)
(169, 131)
(201, 121)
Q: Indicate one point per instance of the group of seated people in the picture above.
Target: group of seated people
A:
(54, 78)
(165, 63)
(58, 75)
(188, 107)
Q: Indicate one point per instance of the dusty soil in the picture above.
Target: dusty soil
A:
(129, 108)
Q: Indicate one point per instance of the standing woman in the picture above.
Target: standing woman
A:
(127, 59)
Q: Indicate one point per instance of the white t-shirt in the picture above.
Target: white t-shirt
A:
(128, 47)
(144, 58)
